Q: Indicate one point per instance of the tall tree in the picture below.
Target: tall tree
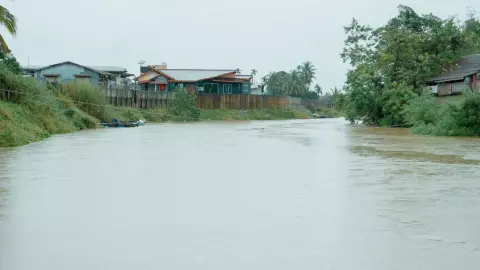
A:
(254, 72)
(307, 72)
(318, 90)
(397, 58)
(10, 22)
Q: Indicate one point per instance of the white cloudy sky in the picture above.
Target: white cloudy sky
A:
(263, 34)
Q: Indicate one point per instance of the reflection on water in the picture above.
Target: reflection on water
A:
(309, 194)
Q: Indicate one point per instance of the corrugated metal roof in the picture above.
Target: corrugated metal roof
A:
(97, 68)
(194, 74)
(109, 68)
(31, 67)
(465, 67)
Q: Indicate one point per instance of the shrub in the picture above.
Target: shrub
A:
(183, 106)
(448, 119)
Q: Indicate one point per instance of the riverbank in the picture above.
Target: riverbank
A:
(20, 124)
(35, 111)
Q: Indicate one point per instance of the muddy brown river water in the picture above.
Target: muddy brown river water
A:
(300, 194)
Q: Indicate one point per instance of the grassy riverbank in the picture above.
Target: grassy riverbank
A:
(20, 124)
(35, 111)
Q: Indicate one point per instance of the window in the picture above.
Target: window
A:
(211, 88)
(245, 88)
(82, 80)
(229, 88)
(52, 78)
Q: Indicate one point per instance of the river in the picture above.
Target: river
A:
(300, 194)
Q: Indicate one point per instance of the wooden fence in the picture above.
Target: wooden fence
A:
(240, 102)
(138, 99)
(7, 94)
(148, 99)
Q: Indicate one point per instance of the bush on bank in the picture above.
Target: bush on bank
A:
(459, 118)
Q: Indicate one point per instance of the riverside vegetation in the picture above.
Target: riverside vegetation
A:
(391, 63)
(37, 111)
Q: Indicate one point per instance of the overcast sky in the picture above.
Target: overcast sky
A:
(268, 35)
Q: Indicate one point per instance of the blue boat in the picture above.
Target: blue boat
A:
(117, 123)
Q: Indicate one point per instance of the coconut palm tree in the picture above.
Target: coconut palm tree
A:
(10, 23)
(238, 71)
(335, 91)
(293, 83)
(254, 72)
(307, 71)
(318, 90)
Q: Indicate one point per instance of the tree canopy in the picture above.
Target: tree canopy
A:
(10, 23)
(391, 63)
(296, 83)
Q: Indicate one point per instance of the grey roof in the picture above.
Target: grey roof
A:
(109, 68)
(73, 63)
(96, 68)
(31, 67)
(194, 74)
(467, 66)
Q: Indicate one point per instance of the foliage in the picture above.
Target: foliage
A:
(184, 107)
(87, 99)
(10, 62)
(296, 83)
(10, 22)
(394, 99)
(449, 119)
(391, 63)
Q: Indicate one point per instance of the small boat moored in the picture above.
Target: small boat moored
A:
(117, 123)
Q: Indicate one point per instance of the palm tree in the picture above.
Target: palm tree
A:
(335, 91)
(254, 72)
(10, 22)
(318, 90)
(307, 71)
(293, 84)
(238, 71)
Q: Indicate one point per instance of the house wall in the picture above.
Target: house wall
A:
(237, 88)
(67, 73)
(456, 87)
(161, 78)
